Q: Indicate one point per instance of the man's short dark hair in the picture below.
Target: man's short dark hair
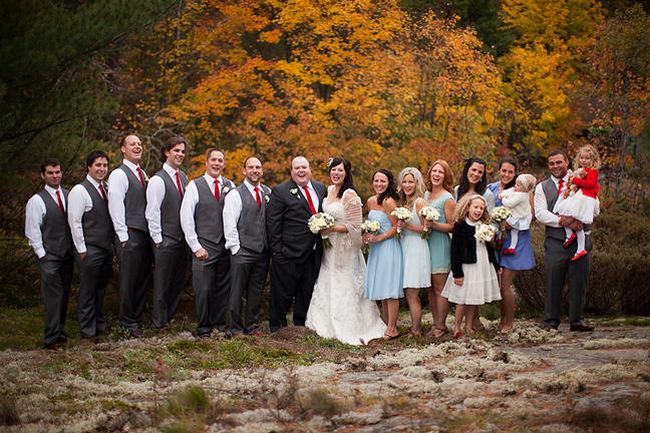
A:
(558, 152)
(92, 156)
(50, 162)
(169, 145)
(213, 149)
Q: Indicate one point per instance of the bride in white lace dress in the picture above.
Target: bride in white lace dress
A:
(338, 308)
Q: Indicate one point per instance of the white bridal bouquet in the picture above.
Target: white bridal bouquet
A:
(500, 213)
(370, 226)
(485, 232)
(321, 221)
(402, 214)
(430, 214)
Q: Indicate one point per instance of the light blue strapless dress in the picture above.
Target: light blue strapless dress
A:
(384, 272)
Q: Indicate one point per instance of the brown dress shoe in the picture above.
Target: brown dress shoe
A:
(581, 327)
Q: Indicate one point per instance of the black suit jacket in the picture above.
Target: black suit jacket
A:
(286, 222)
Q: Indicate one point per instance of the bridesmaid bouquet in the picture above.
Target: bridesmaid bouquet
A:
(402, 214)
(498, 214)
(370, 226)
(321, 221)
(430, 214)
(485, 232)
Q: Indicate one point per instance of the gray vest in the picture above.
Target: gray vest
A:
(208, 214)
(135, 201)
(170, 207)
(96, 223)
(550, 192)
(252, 220)
(54, 229)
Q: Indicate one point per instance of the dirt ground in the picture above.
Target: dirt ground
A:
(527, 381)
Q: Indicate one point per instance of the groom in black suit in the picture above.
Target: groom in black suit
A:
(296, 251)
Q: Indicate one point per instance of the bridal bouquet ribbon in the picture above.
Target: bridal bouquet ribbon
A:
(321, 221)
(485, 232)
(430, 214)
(402, 214)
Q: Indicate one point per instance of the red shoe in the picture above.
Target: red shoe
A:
(578, 255)
(570, 240)
(508, 251)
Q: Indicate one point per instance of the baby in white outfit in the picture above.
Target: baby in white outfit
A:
(517, 200)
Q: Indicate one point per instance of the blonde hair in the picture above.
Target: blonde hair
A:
(462, 210)
(591, 150)
(526, 180)
(448, 182)
(419, 185)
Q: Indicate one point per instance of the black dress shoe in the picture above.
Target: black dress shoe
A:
(204, 335)
(135, 332)
(53, 346)
(581, 327)
(548, 326)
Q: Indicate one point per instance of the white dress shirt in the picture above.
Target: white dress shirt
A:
(190, 200)
(155, 197)
(231, 212)
(80, 202)
(543, 214)
(34, 213)
(118, 185)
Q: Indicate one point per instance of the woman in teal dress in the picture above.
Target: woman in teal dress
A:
(439, 183)
(384, 271)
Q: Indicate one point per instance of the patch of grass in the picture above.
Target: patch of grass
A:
(8, 412)
(190, 409)
(320, 402)
(490, 311)
(328, 343)
(626, 321)
(397, 405)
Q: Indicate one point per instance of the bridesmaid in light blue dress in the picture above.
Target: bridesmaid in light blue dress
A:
(384, 271)
(439, 183)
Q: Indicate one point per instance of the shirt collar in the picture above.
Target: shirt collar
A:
(470, 222)
(52, 190)
(210, 179)
(170, 170)
(92, 181)
(129, 164)
(250, 186)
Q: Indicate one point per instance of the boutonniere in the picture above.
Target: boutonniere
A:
(267, 199)
(294, 191)
(225, 190)
(145, 178)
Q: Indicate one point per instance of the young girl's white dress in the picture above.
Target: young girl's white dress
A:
(480, 285)
(576, 205)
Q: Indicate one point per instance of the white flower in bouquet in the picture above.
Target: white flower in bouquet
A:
(402, 214)
(485, 232)
(370, 226)
(430, 214)
(500, 213)
(321, 221)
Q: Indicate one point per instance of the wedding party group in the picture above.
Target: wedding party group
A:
(463, 244)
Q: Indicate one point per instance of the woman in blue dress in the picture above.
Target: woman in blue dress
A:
(523, 257)
(384, 271)
(439, 183)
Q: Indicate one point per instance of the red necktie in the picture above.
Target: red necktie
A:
(257, 196)
(102, 193)
(58, 197)
(560, 184)
(216, 189)
(140, 174)
(311, 203)
(178, 184)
